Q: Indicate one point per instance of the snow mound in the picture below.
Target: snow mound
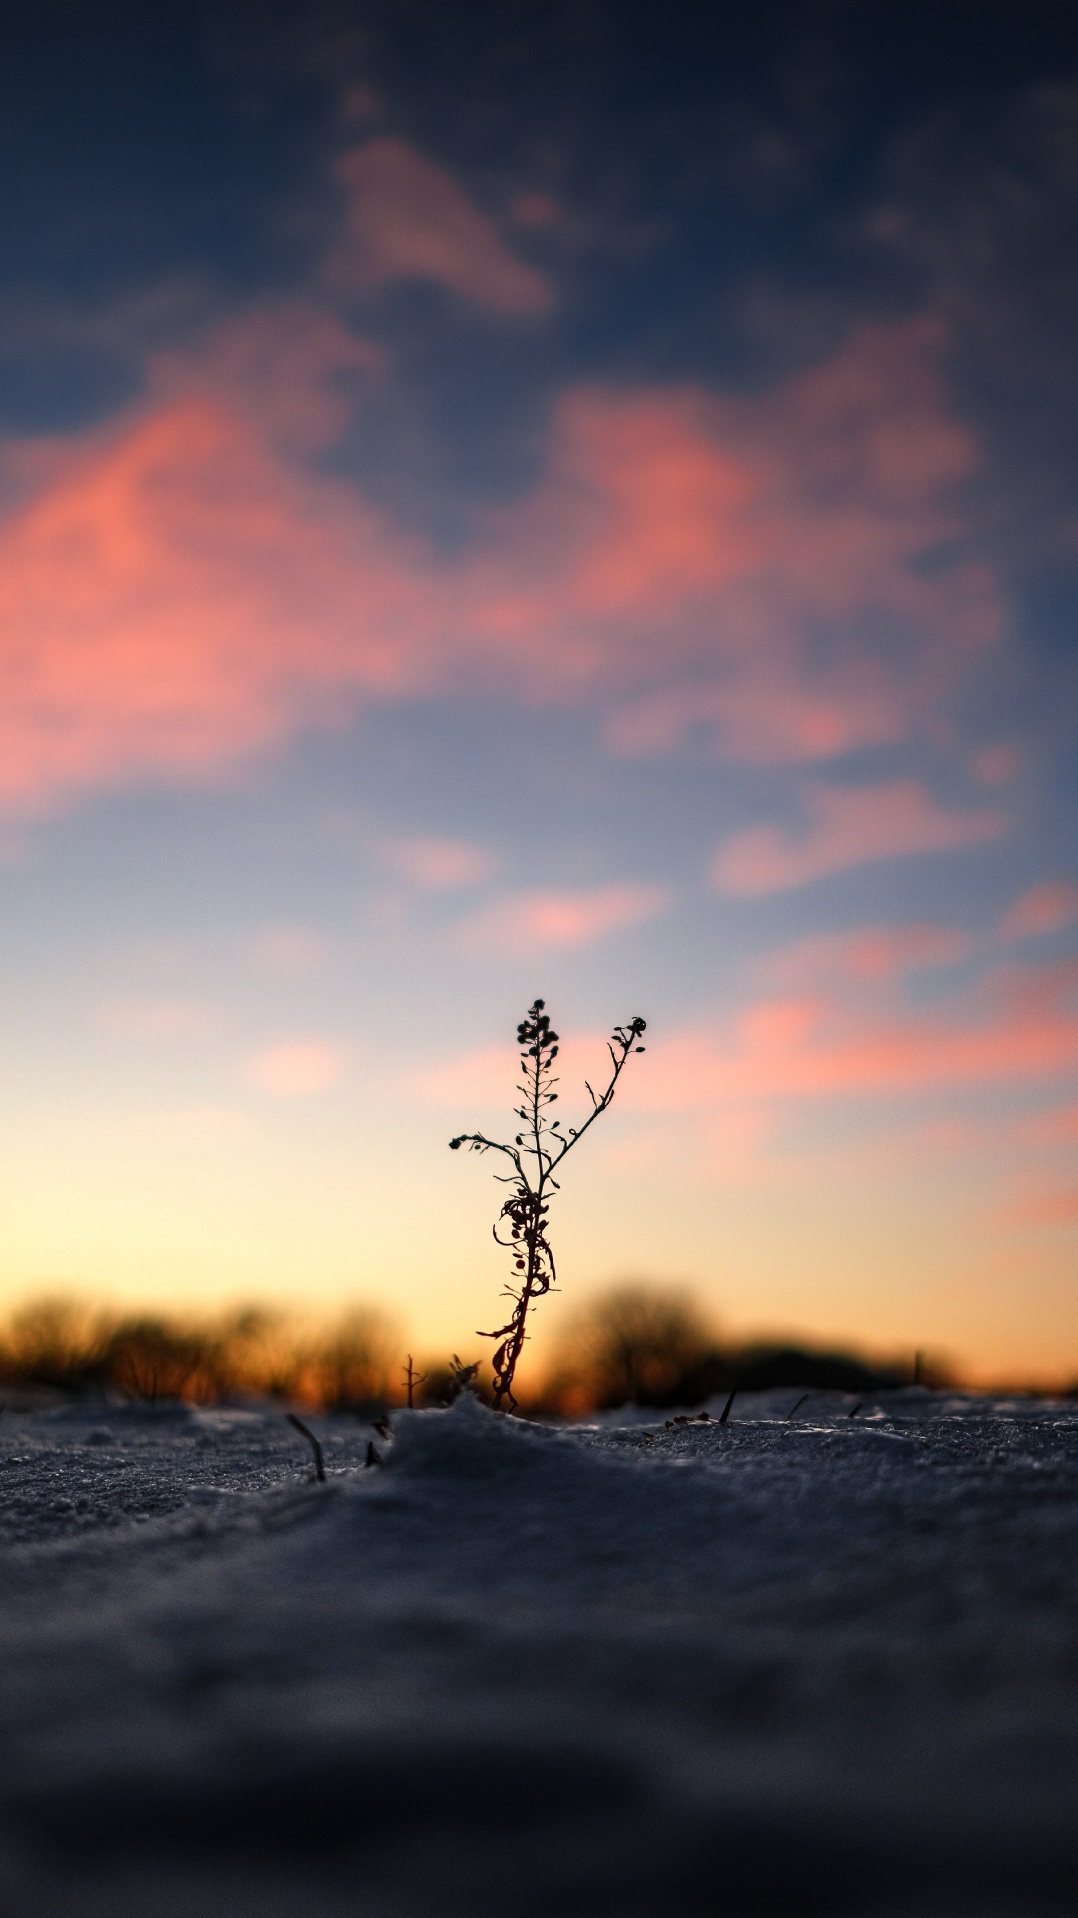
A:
(637, 1669)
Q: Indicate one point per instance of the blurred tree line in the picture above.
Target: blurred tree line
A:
(250, 1353)
(633, 1344)
(639, 1344)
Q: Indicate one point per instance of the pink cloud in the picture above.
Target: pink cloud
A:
(1044, 908)
(833, 485)
(1057, 1126)
(139, 1018)
(997, 765)
(1042, 1208)
(297, 1069)
(439, 865)
(409, 220)
(280, 365)
(737, 1080)
(481, 1079)
(534, 210)
(179, 597)
(850, 826)
(526, 922)
(293, 950)
(820, 1046)
(870, 955)
(183, 588)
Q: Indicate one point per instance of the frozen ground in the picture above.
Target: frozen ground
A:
(822, 1666)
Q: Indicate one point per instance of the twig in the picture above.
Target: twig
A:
(725, 1413)
(798, 1402)
(856, 1408)
(462, 1377)
(319, 1462)
(412, 1378)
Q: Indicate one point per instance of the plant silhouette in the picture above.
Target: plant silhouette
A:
(536, 1154)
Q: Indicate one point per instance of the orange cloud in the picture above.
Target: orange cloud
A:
(851, 826)
(409, 220)
(1044, 908)
(526, 922)
(182, 589)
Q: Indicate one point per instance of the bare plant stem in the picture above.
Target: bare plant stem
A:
(412, 1378)
(319, 1462)
(536, 1154)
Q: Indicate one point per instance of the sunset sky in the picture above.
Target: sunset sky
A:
(576, 500)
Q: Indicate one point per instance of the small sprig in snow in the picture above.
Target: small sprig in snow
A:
(536, 1153)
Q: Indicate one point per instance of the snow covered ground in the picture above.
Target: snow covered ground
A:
(778, 1667)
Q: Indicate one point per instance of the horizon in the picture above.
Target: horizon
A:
(249, 1350)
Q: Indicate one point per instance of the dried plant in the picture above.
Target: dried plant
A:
(536, 1154)
(412, 1378)
(634, 1343)
(316, 1449)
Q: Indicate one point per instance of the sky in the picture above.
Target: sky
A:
(576, 500)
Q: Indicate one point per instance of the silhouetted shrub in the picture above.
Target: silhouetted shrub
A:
(764, 1368)
(641, 1344)
(148, 1358)
(55, 1341)
(352, 1366)
(634, 1345)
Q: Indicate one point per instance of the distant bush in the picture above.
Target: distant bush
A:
(55, 1342)
(148, 1358)
(643, 1344)
(354, 1364)
(633, 1345)
(764, 1368)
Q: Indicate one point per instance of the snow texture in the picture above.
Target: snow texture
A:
(778, 1667)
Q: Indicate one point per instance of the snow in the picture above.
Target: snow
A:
(821, 1665)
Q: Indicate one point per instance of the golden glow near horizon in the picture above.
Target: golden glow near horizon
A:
(326, 1197)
